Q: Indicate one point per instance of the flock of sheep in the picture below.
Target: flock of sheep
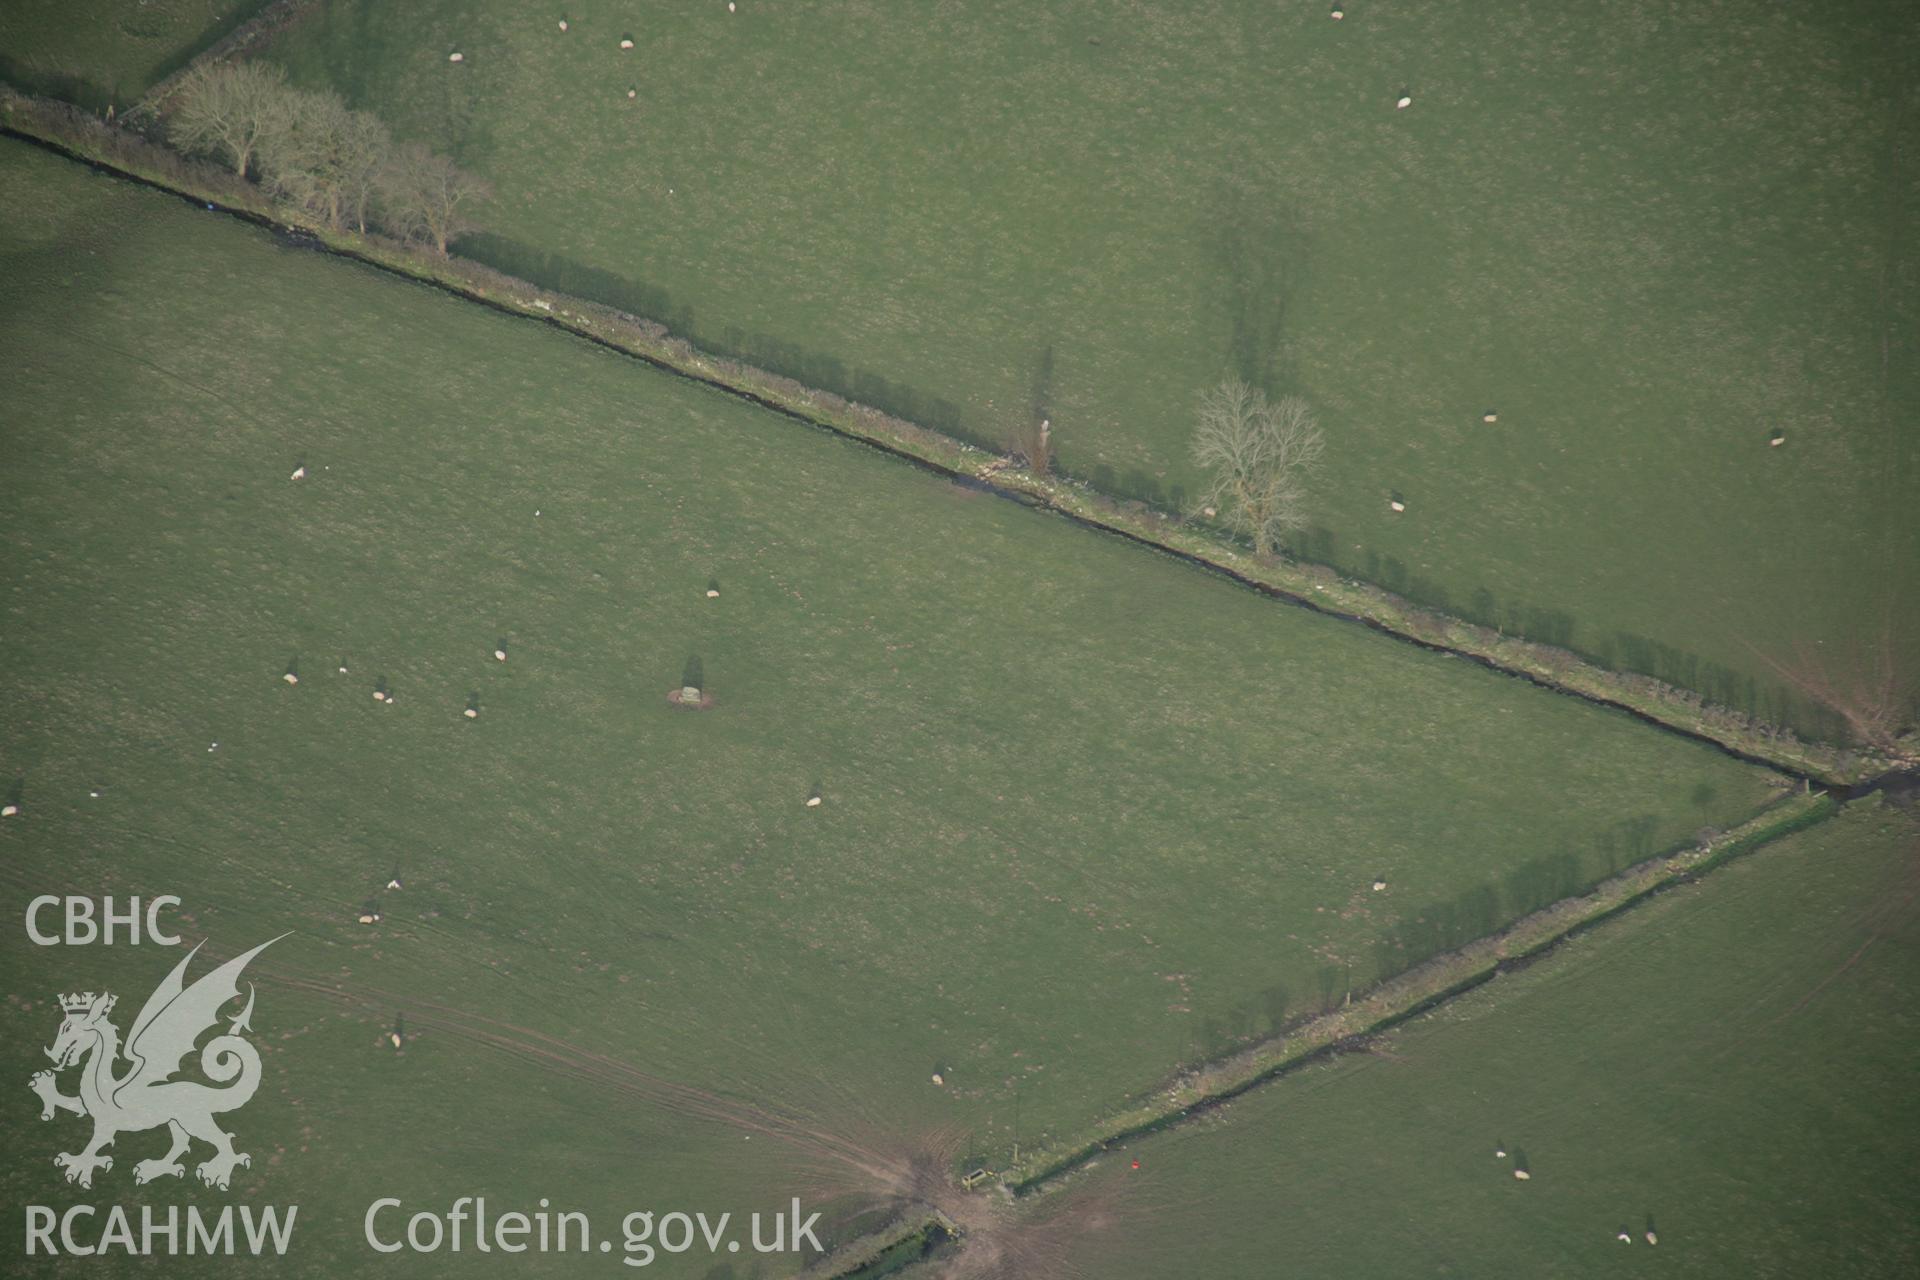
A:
(370, 913)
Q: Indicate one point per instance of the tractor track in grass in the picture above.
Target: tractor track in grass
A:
(1342, 1031)
(1193, 1094)
(1350, 1030)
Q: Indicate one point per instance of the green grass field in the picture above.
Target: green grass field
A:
(1645, 236)
(101, 52)
(1733, 1062)
(1088, 814)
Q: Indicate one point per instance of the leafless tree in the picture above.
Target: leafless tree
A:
(427, 197)
(324, 158)
(368, 147)
(226, 110)
(1260, 456)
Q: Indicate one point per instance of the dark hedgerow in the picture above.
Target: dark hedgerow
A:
(76, 133)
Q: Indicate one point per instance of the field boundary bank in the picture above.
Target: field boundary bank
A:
(900, 1244)
(1776, 821)
(276, 17)
(78, 136)
(1414, 991)
(1397, 1000)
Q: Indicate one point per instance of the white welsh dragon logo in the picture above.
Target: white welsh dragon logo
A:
(146, 1095)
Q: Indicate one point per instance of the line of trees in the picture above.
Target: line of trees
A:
(315, 153)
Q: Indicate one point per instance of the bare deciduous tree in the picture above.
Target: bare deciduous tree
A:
(226, 110)
(324, 158)
(368, 147)
(427, 197)
(314, 153)
(1260, 455)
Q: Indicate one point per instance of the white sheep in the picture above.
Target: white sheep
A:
(632, 94)
(299, 473)
(379, 695)
(1499, 1153)
(563, 24)
(1522, 1174)
(1397, 505)
(1378, 885)
(1489, 416)
(395, 882)
(626, 44)
(499, 655)
(456, 57)
(713, 593)
(813, 802)
(393, 1038)
(1623, 1236)
(291, 678)
(1406, 100)
(9, 810)
(937, 1077)
(1337, 15)
(473, 713)
(1652, 1238)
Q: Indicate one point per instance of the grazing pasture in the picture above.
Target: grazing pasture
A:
(1729, 1066)
(108, 52)
(1086, 814)
(1557, 307)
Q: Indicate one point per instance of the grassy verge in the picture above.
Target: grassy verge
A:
(1314, 586)
(1418, 989)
